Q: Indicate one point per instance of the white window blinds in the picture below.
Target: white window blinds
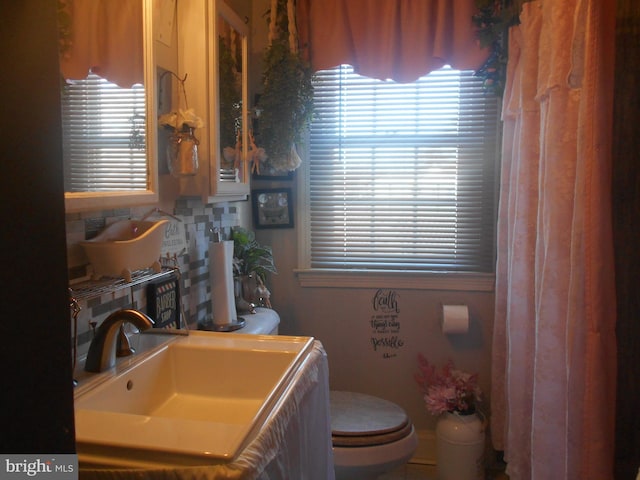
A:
(402, 176)
(103, 136)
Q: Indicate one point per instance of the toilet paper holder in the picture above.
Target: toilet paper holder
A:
(454, 319)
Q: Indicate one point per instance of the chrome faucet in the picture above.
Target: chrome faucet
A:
(102, 351)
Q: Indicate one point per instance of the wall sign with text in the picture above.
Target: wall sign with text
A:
(163, 303)
(385, 324)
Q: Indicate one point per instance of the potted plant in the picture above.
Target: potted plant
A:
(285, 107)
(453, 395)
(449, 390)
(251, 263)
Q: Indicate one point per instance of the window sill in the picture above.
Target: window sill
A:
(478, 282)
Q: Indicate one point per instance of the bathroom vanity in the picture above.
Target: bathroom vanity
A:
(208, 405)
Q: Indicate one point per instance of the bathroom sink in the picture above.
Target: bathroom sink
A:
(198, 399)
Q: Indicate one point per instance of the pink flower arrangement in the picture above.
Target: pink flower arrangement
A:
(449, 390)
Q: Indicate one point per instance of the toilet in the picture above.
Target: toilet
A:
(371, 436)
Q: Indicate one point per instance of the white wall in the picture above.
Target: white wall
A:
(341, 319)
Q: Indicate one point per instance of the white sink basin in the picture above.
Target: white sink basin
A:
(199, 399)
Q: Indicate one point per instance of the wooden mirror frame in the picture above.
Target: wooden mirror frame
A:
(222, 9)
(84, 201)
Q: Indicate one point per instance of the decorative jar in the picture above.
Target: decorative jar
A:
(182, 153)
(460, 447)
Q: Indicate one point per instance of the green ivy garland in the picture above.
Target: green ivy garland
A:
(493, 21)
(230, 97)
(286, 104)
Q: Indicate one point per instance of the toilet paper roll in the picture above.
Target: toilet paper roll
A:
(221, 277)
(455, 319)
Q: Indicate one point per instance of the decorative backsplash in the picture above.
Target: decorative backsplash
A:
(195, 291)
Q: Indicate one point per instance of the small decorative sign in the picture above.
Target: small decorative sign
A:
(163, 303)
(174, 242)
(385, 324)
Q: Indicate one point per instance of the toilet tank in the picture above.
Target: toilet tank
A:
(264, 322)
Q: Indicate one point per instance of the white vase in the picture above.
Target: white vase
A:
(460, 447)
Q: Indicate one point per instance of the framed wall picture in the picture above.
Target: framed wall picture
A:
(272, 208)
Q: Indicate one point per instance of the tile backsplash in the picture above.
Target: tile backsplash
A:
(195, 291)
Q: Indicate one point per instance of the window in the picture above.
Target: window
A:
(401, 177)
(103, 136)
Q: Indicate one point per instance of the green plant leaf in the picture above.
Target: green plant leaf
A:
(286, 102)
(250, 256)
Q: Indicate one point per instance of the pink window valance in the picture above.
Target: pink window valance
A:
(390, 39)
(103, 36)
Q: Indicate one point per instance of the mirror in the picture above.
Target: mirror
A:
(230, 65)
(109, 119)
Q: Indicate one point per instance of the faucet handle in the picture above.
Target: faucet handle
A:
(124, 348)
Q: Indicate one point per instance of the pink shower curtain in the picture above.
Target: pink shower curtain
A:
(554, 350)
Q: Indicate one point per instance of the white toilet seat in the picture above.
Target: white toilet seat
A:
(370, 435)
(362, 420)
(395, 454)
(372, 440)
